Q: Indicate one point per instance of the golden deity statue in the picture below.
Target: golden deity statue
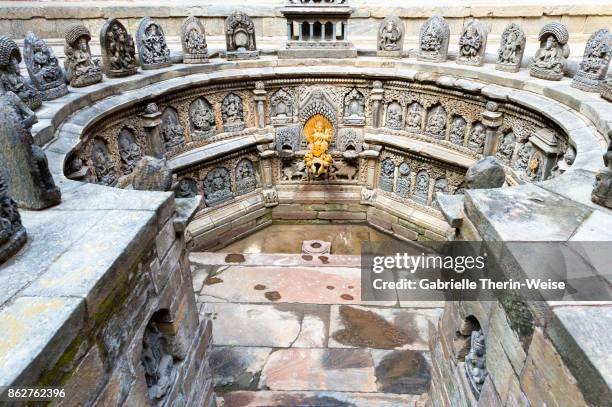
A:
(318, 131)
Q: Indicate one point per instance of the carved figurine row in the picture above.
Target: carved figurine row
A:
(549, 62)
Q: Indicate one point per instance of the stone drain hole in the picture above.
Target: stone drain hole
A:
(316, 247)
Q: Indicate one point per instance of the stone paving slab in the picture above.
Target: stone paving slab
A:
(276, 259)
(237, 367)
(381, 328)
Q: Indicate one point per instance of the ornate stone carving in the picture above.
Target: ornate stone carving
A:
(25, 164)
(606, 88)
(394, 119)
(201, 119)
(433, 39)
(319, 102)
(10, 74)
(104, 166)
(414, 117)
(391, 37)
(152, 48)
(485, 173)
(403, 180)
(171, 129)
(233, 113)
(565, 162)
(472, 43)
(511, 49)
(550, 59)
(349, 140)
(43, 67)
(12, 233)
(436, 122)
(595, 62)
(246, 178)
(240, 36)
(341, 169)
(523, 157)
(129, 151)
(421, 189)
(193, 39)
(287, 141)
(318, 132)
(457, 130)
(354, 107)
(118, 49)
(294, 171)
(217, 186)
(477, 138)
(81, 69)
(387, 175)
(602, 193)
(158, 362)
(505, 149)
(475, 362)
(281, 107)
(270, 197)
(187, 188)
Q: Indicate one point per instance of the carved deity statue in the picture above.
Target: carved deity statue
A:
(475, 362)
(25, 164)
(602, 192)
(129, 151)
(240, 36)
(187, 188)
(523, 157)
(387, 175)
(202, 119)
(152, 48)
(81, 69)
(550, 59)
(43, 67)
(565, 162)
(232, 113)
(217, 186)
(10, 74)
(246, 178)
(354, 107)
(281, 107)
(457, 130)
(402, 188)
(436, 122)
(505, 149)
(472, 43)
(414, 117)
(193, 39)
(421, 190)
(118, 49)
(12, 233)
(511, 49)
(158, 363)
(318, 132)
(394, 118)
(171, 129)
(391, 37)
(433, 39)
(595, 62)
(477, 138)
(104, 166)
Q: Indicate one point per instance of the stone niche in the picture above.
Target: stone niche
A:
(240, 37)
(317, 29)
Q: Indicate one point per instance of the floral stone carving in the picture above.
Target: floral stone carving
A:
(24, 163)
(193, 39)
(390, 37)
(433, 39)
(81, 69)
(511, 49)
(602, 193)
(171, 129)
(10, 74)
(354, 107)
(201, 119)
(232, 113)
(472, 43)
(240, 36)
(281, 106)
(550, 59)
(43, 67)
(246, 178)
(217, 186)
(118, 49)
(151, 42)
(475, 362)
(595, 62)
(12, 233)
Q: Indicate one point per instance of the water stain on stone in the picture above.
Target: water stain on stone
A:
(351, 287)
(307, 257)
(366, 329)
(330, 287)
(235, 258)
(273, 295)
(210, 280)
(259, 287)
(347, 297)
(324, 259)
(403, 371)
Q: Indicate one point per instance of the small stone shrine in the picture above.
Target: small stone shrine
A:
(390, 41)
(81, 69)
(193, 39)
(118, 50)
(472, 44)
(10, 74)
(240, 37)
(151, 42)
(511, 49)
(595, 62)
(433, 39)
(550, 59)
(43, 67)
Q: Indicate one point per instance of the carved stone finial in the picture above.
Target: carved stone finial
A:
(12, 233)
(433, 39)
(43, 67)
(485, 173)
(10, 74)
(595, 62)
(81, 69)
(240, 37)
(193, 39)
(472, 43)
(390, 40)
(602, 192)
(511, 49)
(25, 163)
(118, 49)
(550, 59)
(151, 42)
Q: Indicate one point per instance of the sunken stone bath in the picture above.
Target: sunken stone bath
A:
(186, 193)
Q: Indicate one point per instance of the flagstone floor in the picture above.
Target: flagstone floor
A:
(290, 330)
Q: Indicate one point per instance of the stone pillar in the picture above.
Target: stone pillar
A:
(301, 31)
(311, 24)
(289, 33)
(377, 96)
(491, 119)
(269, 191)
(368, 192)
(334, 30)
(152, 123)
(260, 98)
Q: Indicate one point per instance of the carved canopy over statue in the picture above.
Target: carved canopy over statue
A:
(118, 49)
(152, 48)
(10, 74)
(81, 69)
(43, 67)
(595, 62)
(550, 59)
(193, 39)
(240, 36)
